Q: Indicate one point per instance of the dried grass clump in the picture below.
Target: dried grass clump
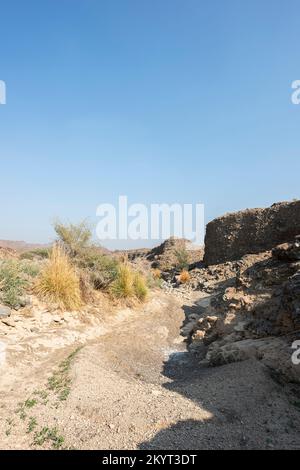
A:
(123, 285)
(129, 284)
(58, 282)
(156, 273)
(140, 287)
(184, 277)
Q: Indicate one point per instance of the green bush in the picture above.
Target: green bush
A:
(43, 253)
(74, 237)
(102, 268)
(29, 268)
(15, 277)
(12, 283)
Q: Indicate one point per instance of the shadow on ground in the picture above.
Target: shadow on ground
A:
(248, 409)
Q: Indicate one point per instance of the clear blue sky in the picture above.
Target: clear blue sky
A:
(161, 100)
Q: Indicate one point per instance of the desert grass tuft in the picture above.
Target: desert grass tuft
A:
(123, 285)
(58, 282)
(140, 287)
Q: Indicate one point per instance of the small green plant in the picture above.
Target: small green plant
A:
(48, 434)
(182, 258)
(30, 403)
(60, 381)
(22, 415)
(42, 394)
(10, 423)
(32, 424)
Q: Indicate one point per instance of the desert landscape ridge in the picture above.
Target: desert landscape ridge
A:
(161, 348)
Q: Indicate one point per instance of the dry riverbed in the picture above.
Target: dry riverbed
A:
(125, 381)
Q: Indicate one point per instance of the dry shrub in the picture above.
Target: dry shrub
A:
(58, 282)
(184, 276)
(156, 273)
(86, 289)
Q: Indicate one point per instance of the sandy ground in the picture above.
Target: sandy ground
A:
(132, 385)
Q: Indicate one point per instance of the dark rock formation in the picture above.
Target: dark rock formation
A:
(233, 235)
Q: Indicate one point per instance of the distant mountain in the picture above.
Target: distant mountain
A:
(21, 246)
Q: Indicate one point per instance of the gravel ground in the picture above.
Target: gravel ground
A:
(136, 387)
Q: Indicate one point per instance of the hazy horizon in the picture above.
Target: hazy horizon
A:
(165, 102)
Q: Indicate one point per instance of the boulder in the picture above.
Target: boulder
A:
(287, 251)
(4, 311)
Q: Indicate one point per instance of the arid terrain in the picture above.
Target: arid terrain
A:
(202, 362)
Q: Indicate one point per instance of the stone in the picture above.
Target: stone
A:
(241, 326)
(287, 251)
(8, 322)
(4, 311)
(57, 319)
(204, 303)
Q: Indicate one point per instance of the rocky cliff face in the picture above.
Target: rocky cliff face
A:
(234, 235)
(255, 314)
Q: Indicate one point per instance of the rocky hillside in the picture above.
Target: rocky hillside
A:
(251, 231)
(252, 309)
(170, 254)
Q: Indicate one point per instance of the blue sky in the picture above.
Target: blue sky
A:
(163, 101)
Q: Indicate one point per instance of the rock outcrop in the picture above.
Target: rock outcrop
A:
(255, 315)
(234, 235)
(169, 254)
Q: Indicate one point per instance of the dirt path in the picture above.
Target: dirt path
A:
(135, 387)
